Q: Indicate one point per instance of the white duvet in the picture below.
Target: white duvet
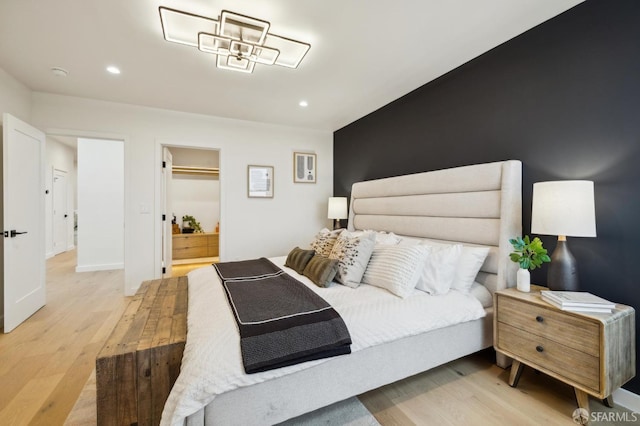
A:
(212, 363)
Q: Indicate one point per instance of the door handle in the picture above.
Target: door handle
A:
(13, 233)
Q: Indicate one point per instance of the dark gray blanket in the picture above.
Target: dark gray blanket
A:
(281, 321)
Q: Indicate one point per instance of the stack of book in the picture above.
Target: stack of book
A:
(577, 301)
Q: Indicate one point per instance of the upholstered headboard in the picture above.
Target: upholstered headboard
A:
(474, 205)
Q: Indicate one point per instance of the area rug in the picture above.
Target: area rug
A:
(350, 412)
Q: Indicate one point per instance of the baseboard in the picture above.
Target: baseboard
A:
(71, 247)
(627, 399)
(103, 267)
(49, 255)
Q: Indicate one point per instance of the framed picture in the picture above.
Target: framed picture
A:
(260, 181)
(304, 167)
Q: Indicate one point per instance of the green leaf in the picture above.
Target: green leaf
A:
(529, 253)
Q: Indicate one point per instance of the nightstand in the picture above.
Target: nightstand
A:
(594, 353)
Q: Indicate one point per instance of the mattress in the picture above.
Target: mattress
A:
(212, 362)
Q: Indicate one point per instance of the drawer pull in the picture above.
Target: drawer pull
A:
(539, 348)
(539, 319)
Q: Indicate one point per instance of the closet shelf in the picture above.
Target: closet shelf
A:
(186, 170)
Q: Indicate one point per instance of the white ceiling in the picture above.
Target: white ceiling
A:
(363, 54)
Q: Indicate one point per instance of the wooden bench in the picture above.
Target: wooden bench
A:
(141, 359)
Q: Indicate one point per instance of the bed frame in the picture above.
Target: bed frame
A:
(475, 205)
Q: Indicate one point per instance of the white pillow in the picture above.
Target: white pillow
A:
(384, 238)
(410, 241)
(481, 293)
(395, 268)
(353, 255)
(470, 262)
(439, 269)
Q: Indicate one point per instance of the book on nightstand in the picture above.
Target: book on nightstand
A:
(577, 301)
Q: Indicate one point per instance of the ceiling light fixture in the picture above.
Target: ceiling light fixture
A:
(303, 104)
(238, 41)
(59, 72)
(113, 70)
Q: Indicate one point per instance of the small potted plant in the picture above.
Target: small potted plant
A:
(190, 224)
(529, 254)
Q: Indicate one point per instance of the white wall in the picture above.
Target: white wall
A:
(60, 157)
(251, 227)
(197, 196)
(195, 157)
(15, 97)
(100, 205)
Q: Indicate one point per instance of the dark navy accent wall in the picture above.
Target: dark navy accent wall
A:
(564, 98)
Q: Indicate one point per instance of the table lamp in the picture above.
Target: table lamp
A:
(337, 210)
(563, 208)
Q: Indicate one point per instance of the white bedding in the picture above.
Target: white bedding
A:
(212, 363)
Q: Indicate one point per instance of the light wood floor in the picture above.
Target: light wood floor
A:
(179, 270)
(46, 361)
(475, 391)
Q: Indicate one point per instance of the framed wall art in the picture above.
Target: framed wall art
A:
(260, 181)
(304, 167)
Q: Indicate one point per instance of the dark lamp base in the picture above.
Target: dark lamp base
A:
(563, 273)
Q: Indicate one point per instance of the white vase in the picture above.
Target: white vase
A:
(523, 279)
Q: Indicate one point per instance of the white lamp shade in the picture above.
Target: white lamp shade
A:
(337, 208)
(563, 208)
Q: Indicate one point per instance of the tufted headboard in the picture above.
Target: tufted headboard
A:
(474, 205)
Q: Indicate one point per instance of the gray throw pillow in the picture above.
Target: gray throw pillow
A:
(321, 270)
(298, 259)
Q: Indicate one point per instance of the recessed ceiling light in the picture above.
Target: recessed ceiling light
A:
(59, 72)
(113, 70)
(303, 103)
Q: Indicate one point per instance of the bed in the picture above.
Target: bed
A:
(478, 205)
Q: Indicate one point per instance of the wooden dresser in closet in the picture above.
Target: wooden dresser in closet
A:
(190, 246)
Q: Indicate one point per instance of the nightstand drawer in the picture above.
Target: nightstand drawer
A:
(575, 332)
(573, 364)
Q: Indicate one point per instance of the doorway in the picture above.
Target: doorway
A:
(60, 211)
(191, 202)
(92, 164)
(60, 194)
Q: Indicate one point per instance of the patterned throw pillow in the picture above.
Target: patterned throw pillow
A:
(298, 259)
(353, 255)
(324, 241)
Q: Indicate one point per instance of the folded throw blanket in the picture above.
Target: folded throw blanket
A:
(281, 321)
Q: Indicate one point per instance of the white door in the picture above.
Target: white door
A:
(23, 154)
(60, 213)
(167, 214)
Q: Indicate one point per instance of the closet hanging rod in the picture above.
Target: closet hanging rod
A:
(196, 170)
